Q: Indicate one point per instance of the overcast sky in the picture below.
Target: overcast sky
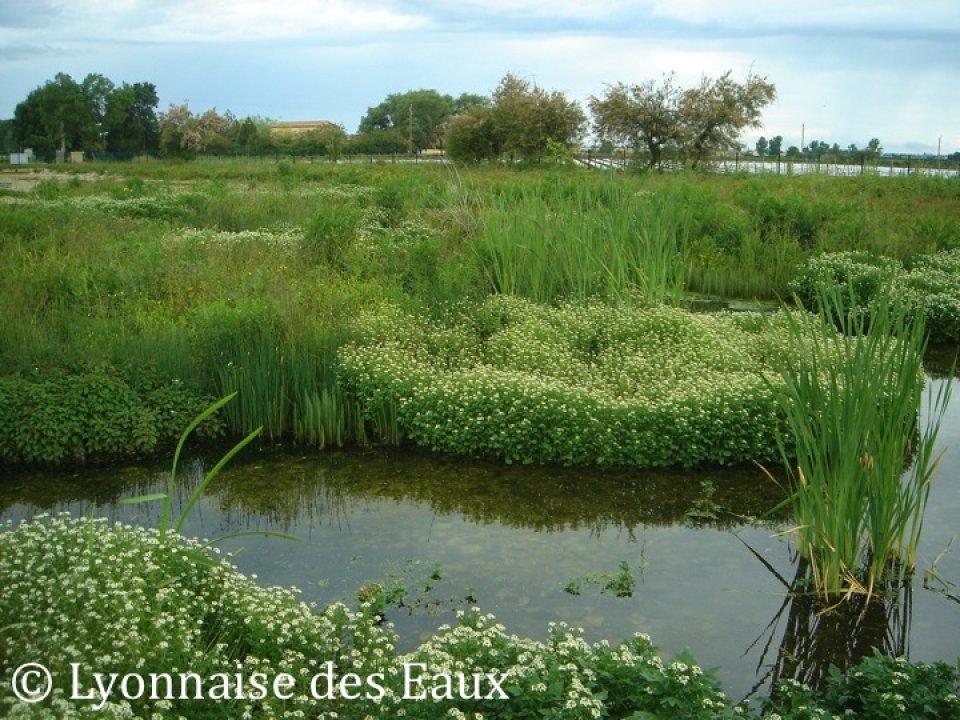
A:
(846, 70)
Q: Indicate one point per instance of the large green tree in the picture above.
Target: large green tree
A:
(522, 121)
(130, 121)
(645, 117)
(91, 115)
(716, 112)
(420, 115)
(56, 114)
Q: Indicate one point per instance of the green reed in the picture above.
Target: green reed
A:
(577, 240)
(852, 404)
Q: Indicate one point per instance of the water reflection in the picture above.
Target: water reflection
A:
(286, 490)
(817, 635)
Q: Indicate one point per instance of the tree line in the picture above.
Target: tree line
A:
(818, 150)
(656, 120)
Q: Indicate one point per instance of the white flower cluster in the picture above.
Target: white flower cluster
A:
(930, 283)
(275, 239)
(153, 206)
(119, 600)
(579, 383)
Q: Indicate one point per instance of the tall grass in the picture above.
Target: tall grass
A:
(224, 276)
(558, 240)
(852, 405)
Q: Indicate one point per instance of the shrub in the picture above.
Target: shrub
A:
(65, 418)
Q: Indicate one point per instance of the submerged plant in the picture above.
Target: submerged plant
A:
(852, 407)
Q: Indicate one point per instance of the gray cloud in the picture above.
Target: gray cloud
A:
(28, 14)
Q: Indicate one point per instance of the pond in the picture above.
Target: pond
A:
(678, 555)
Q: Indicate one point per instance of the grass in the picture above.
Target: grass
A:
(248, 276)
(568, 239)
(853, 414)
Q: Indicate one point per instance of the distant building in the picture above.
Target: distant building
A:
(22, 158)
(295, 127)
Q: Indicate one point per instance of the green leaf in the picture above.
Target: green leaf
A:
(143, 499)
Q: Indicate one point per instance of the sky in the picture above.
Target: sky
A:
(845, 71)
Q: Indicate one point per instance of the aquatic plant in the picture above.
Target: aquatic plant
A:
(852, 410)
(577, 384)
(572, 240)
(167, 497)
(928, 284)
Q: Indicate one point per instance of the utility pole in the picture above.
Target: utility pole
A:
(410, 127)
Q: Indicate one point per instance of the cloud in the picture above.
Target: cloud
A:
(12, 53)
(28, 14)
(212, 20)
(861, 15)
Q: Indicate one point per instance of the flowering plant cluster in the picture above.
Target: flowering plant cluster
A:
(929, 283)
(156, 207)
(577, 384)
(282, 239)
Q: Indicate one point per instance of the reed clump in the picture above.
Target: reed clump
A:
(853, 410)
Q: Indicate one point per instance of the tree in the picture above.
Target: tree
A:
(184, 135)
(421, 115)
(57, 113)
(471, 136)
(874, 149)
(714, 114)
(130, 121)
(467, 101)
(644, 116)
(521, 120)
(97, 90)
(379, 142)
(762, 146)
(776, 145)
(92, 115)
(525, 117)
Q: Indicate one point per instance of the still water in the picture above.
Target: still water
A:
(692, 565)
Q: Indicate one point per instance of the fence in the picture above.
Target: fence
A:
(888, 166)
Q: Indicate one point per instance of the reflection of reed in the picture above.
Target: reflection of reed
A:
(293, 493)
(297, 503)
(817, 636)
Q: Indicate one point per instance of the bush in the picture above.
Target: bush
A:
(879, 688)
(65, 418)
